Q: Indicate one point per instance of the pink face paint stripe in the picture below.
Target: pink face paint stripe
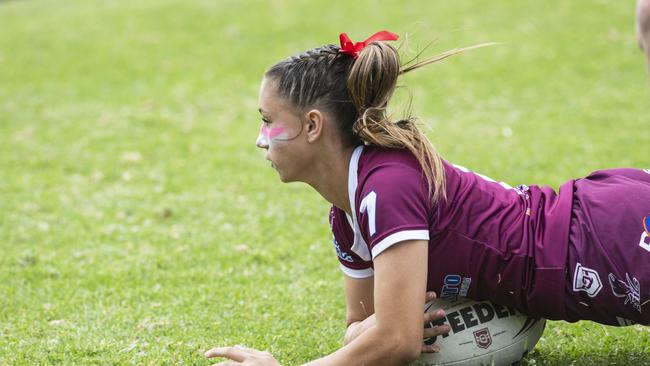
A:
(273, 133)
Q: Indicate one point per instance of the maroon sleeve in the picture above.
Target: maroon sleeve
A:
(351, 264)
(393, 206)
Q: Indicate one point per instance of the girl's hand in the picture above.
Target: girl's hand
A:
(429, 316)
(242, 356)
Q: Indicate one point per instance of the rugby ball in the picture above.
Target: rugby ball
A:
(482, 333)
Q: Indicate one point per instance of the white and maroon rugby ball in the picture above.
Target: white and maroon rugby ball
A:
(482, 333)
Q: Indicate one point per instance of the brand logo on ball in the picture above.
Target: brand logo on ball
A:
(471, 316)
(483, 338)
(482, 333)
(587, 280)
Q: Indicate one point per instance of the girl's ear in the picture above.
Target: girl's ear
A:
(314, 124)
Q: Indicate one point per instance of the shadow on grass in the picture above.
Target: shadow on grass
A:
(636, 358)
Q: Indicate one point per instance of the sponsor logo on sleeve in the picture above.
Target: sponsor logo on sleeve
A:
(341, 254)
(483, 338)
(630, 290)
(587, 280)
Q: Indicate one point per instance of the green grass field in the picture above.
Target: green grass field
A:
(139, 224)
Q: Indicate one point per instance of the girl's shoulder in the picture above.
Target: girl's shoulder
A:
(389, 179)
(387, 164)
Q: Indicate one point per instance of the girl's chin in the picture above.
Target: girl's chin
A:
(284, 178)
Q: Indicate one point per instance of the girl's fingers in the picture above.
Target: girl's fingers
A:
(430, 296)
(430, 348)
(433, 315)
(236, 353)
(435, 331)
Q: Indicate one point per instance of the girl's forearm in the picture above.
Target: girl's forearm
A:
(371, 347)
(357, 328)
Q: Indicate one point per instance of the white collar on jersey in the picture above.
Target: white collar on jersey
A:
(359, 247)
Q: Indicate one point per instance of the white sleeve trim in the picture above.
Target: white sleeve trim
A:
(394, 238)
(357, 273)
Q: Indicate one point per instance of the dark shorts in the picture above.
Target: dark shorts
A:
(608, 263)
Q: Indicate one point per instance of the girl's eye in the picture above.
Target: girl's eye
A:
(266, 121)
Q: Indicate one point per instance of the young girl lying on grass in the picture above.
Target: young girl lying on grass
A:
(404, 219)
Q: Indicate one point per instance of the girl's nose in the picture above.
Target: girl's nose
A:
(262, 139)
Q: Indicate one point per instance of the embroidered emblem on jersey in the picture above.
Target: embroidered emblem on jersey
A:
(629, 289)
(454, 286)
(587, 280)
(646, 224)
(341, 254)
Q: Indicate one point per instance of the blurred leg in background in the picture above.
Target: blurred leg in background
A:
(643, 28)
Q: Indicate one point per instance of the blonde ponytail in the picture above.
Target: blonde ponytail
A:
(371, 83)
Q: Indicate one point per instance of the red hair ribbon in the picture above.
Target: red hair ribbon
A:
(353, 49)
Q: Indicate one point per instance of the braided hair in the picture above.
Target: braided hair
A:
(356, 92)
(316, 78)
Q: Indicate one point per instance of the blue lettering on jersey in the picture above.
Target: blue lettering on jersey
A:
(454, 286)
(450, 287)
(341, 254)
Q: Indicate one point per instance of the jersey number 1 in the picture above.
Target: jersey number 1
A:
(369, 204)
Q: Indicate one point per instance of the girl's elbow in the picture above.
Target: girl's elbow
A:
(411, 352)
(407, 348)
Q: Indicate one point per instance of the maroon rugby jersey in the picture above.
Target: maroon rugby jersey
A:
(487, 240)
